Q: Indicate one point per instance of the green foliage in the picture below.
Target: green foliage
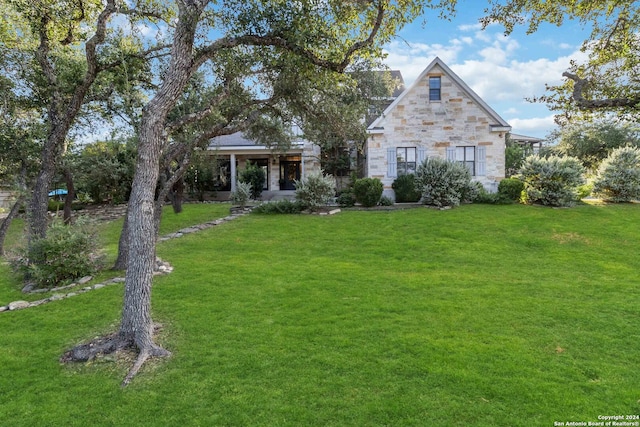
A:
(385, 201)
(511, 189)
(280, 207)
(54, 205)
(315, 190)
(443, 183)
(242, 193)
(346, 199)
(368, 191)
(551, 181)
(514, 155)
(405, 189)
(585, 190)
(68, 252)
(104, 170)
(609, 73)
(592, 142)
(618, 178)
(254, 175)
(201, 175)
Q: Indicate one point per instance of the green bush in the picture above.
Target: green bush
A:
(584, 190)
(346, 199)
(241, 195)
(280, 207)
(511, 189)
(385, 201)
(618, 178)
(254, 175)
(68, 252)
(368, 191)
(551, 181)
(405, 188)
(315, 190)
(444, 183)
(55, 205)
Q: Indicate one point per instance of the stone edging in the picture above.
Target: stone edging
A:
(161, 267)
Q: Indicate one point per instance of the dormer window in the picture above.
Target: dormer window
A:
(434, 88)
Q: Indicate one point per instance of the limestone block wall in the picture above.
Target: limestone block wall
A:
(456, 120)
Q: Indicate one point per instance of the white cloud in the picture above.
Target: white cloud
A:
(535, 126)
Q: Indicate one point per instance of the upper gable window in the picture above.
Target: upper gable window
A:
(434, 88)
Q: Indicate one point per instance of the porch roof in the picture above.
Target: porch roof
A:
(237, 142)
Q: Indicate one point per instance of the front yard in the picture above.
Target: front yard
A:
(480, 315)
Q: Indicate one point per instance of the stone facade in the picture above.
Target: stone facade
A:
(429, 127)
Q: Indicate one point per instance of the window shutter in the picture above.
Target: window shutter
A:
(422, 155)
(482, 161)
(451, 154)
(392, 167)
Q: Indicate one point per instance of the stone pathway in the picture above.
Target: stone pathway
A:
(161, 267)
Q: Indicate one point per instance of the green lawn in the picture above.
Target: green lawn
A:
(476, 316)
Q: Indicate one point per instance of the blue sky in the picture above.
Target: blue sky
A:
(502, 70)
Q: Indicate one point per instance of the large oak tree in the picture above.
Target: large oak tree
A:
(273, 39)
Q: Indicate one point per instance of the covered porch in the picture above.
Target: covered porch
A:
(232, 153)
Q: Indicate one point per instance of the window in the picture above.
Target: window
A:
(467, 156)
(434, 88)
(406, 160)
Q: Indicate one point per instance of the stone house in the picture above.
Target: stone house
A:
(438, 115)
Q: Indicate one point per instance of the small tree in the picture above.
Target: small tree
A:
(254, 175)
(551, 181)
(442, 182)
(315, 190)
(618, 178)
(368, 191)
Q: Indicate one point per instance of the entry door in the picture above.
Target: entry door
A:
(289, 172)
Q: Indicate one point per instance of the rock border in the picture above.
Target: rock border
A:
(161, 267)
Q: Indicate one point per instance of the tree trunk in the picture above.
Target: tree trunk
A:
(136, 324)
(38, 206)
(177, 195)
(4, 227)
(71, 194)
(123, 244)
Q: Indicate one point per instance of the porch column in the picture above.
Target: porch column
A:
(303, 173)
(233, 172)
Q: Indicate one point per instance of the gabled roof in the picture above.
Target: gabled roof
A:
(499, 121)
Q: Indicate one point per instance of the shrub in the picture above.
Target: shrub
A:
(346, 199)
(254, 175)
(280, 207)
(242, 193)
(584, 190)
(315, 190)
(511, 189)
(368, 191)
(551, 181)
(55, 205)
(618, 178)
(405, 188)
(67, 252)
(385, 201)
(443, 183)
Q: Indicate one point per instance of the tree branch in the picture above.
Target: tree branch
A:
(276, 40)
(594, 104)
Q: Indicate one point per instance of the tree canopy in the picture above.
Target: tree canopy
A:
(609, 80)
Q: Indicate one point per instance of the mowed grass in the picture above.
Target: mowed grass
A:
(476, 316)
